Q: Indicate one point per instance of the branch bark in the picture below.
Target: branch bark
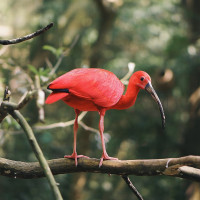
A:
(149, 167)
(38, 152)
(5, 105)
(26, 37)
(132, 187)
(11, 108)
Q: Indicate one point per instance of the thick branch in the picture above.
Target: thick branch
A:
(151, 167)
(27, 37)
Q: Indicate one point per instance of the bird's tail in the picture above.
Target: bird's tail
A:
(55, 96)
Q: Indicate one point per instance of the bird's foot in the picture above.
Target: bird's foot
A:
(75, 157)
(106, 157)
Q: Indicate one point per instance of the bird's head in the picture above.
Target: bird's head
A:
(143, 81)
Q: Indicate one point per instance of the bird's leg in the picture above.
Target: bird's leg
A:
(74, 154)
(101, 130)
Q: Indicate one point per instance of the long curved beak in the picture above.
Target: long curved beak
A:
(151, 91)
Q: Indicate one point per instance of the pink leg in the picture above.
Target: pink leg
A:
(74, 154)
(101, 130)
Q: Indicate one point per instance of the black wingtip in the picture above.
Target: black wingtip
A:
(58, 90)
(48, 87)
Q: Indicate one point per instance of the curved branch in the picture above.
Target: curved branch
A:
(5, 105)
(131, 68)
(149, 167)
(38, 152)
(10, 108)
(27, 37)
(59, 124)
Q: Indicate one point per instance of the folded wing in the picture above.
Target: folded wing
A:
(98, 85)
(55, 96)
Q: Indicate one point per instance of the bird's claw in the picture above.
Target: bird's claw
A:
(75, 157)
(106, 157)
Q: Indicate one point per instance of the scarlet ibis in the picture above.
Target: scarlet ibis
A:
(93, 89)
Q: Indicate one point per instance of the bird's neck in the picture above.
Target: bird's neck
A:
(129, 98)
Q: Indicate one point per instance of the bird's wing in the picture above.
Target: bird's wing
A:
(98, 85)
(55, 96)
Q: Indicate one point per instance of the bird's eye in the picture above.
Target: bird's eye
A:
(142, 78)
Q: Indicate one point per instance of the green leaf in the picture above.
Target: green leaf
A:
(56, 52)
(43, 72)
(59, 51)
(33, 69)
(50, 48)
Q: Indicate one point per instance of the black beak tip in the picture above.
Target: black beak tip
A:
(163, 125)
(150, 90)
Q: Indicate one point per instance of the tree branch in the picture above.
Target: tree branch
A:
(12, 109)
(6, 98)
(38, 152)
(132, 187)
(5, 105)
(24, 100)
(190, 172)
(59, 124)
(148, 167)
(27, 37)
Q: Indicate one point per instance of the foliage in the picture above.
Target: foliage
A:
(155, 36)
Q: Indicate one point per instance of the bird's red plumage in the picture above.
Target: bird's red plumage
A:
(88, 86)
(98, 90)
(55, 96)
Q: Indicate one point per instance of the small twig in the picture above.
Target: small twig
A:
(24, 100)
(49, 64)
(38, 152)
(132, 187)
(7, 93)
(2, 137)
(88, 128)
(59, 124)
(27, 37)
(131, 67)
(57, 64)
(73, 43)
(54, 69)
(6, 98)
(51, 126)
(40, 99)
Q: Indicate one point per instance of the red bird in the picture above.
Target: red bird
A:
(92, 89)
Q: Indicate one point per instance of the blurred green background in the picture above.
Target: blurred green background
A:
(160, 37)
